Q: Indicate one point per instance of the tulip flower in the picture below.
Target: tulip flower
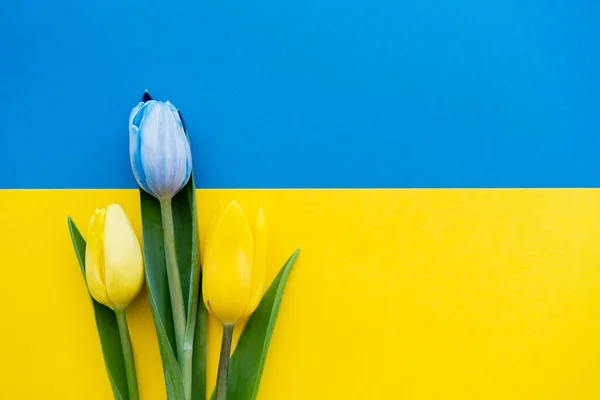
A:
(115, 273)
(113, 258)
(233, 276)
(159, 149)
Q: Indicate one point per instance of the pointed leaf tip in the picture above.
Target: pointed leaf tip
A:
(146, 97)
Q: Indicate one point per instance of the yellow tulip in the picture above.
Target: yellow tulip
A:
(113, 259)
(234, 265)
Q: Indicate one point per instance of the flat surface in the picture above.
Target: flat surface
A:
(412, 294)
(418, 295)
(311, 94)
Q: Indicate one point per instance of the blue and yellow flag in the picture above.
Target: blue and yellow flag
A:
(435, 161)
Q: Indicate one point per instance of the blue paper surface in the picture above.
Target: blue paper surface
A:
(306, 94)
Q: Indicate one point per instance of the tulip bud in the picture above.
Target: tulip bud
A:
(159, 149)
(113, 259)
(234, 265)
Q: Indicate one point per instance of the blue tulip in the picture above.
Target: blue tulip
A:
(161, 158)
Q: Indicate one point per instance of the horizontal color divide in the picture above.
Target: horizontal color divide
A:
(411, 294)
(296, 94)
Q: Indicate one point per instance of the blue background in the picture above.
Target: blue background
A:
(306, 93)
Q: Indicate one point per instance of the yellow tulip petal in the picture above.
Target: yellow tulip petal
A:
(227, 275)
(259, 267)
(211, 229)
(95, 274)
(122, 257)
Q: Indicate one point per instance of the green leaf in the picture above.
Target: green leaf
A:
(158, 293)
(199, 356)
(185, 217)
(106, 324)
(187, 246)
(196, 311)
(248, 360)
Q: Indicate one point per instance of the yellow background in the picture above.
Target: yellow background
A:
(408, 294)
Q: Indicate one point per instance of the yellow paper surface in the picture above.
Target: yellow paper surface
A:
(408, 294)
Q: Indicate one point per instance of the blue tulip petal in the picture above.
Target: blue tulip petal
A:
(157, 146)
(139, 117)
(135, 119)
(152, 148)
(188, 162)
(134, 113)
(180, 174)
(136, 163)
(175, 113)
(171, 106)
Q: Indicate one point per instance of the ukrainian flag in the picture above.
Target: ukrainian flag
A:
(435, 161)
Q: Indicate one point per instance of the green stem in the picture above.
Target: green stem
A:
(188, 346)
(132, 385)
(186, 365)
(223, 372)
(175, 292)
